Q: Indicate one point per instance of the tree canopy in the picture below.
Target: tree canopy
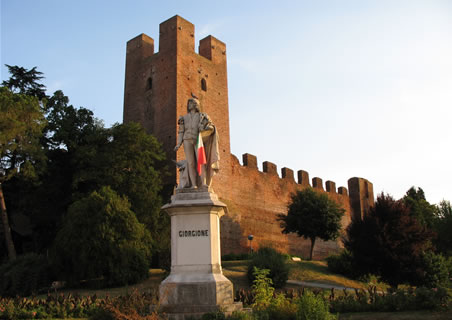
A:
(25, 81)
(21, 125)
(312, 215)
(389, 242)
(419, 207)
(102, 238)
(443, 228)
(77, 156)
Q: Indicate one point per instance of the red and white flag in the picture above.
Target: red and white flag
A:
(200, 154)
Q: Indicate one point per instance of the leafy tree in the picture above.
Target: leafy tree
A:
(312, 215)
(388, 242)
(81, 157)
(21, 124)
(419, 207)
(47, 199)
(102, 238)
(131, 162)
(68, 127)
(25, 81)
(443, 228)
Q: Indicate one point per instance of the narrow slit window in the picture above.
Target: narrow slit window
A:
(149, 85)
(204, 84)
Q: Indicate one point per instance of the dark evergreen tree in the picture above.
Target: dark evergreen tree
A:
(25, 81)
(443, 228)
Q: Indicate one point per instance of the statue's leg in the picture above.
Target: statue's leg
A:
(203, 176)
(189, 148)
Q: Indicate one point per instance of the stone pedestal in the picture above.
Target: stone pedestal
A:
(196, 284)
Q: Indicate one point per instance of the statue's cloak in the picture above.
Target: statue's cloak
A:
(212, 155)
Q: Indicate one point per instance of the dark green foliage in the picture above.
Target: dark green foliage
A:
(131, 162)
(21, 125)
(398, 300)
(214, 316)
(25, 275)
(341, 263)
(436, 271)
(101, 238)
(68, 127)
(82, 157)
(312, 307)
(442, 227)
(388, 242)
(234, 257)
(419, 207)
(25, 81)
(312, 215)
(269, 258)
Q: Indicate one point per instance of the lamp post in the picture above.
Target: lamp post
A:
(250, 238)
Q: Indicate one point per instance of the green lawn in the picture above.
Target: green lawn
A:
(307, 271)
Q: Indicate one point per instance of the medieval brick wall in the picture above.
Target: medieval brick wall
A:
(157, 87)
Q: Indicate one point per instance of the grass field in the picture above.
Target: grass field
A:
(307, 271)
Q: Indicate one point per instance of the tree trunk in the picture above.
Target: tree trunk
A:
(312, 248)
(6, 228)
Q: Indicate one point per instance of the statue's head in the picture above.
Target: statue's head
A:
(193, 103)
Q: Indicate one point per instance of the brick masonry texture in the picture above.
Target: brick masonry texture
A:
(157, 87)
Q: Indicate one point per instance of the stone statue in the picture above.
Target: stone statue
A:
(197, 172)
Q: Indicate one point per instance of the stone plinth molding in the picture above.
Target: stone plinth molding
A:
(196, 284)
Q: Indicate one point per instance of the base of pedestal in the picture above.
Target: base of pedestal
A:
(190, 296)
(196, 312)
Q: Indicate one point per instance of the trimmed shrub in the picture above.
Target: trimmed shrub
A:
(102, 242)
(234, 257)
(25, 275)
(269, 258)
(341, 264)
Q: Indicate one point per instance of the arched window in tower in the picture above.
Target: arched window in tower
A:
(149, 84)
(203, 84)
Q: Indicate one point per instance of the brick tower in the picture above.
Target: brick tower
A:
(158, 85)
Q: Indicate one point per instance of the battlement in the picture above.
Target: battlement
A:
(176, 33)
(287, 174)
(142, 44)
(213, 49)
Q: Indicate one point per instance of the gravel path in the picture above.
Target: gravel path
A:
(317, 285)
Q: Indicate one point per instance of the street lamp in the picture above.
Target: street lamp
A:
(250, 238)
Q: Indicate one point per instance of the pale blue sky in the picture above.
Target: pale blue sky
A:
(337, 88)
